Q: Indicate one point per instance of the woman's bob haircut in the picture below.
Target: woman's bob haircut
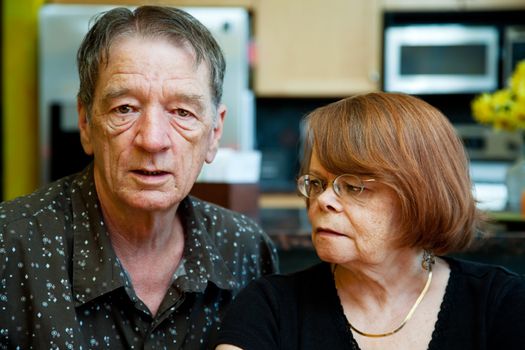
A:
(407, 144)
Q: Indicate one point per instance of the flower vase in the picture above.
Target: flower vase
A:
(515, 181)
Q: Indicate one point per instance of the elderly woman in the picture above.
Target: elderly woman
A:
(388, 194)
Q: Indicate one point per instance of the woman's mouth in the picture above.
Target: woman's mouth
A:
(327, 231)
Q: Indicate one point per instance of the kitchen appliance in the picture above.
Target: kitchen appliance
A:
(61, 29)
(491, 153)
(441, 58)
(451, 53)
(514, 48)
(446, 58)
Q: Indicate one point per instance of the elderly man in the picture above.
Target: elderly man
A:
(119, 256)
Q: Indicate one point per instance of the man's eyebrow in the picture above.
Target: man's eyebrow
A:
(113, 93)
(195, 100)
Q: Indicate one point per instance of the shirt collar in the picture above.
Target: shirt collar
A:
(202, 261)
(96, 268)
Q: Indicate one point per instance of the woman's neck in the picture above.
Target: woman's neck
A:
(378, 284)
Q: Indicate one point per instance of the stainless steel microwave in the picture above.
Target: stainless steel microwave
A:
(441, 58)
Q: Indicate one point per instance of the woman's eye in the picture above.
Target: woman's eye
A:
(354, 188)
(316, 185)
(358, 189)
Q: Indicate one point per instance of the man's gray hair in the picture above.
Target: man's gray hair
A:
(148, 21)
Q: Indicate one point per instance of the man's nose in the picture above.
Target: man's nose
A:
(153, 131)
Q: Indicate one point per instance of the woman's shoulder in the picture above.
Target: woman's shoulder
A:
(486, 301)
(476, 269)
(485, 276)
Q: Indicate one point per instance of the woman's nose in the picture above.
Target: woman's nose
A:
(329, 200)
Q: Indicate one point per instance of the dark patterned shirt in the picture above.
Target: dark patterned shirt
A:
(63, 287)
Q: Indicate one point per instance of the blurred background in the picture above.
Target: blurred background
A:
(285, 58)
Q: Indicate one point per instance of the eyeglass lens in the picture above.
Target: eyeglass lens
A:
(344, 186)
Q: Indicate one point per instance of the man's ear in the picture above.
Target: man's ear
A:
(85, 128)
(216, 133)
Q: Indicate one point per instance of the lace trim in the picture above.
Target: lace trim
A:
(443, 314)
(445, 309)
(340, 317)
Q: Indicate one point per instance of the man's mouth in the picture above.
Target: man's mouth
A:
(150, 173)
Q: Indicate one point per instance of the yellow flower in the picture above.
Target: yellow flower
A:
(505, 122)
(505, 108)
(482, 109)
(518, 113)
(501, 100)
(517, 81)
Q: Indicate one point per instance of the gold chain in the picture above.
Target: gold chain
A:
(408, 317)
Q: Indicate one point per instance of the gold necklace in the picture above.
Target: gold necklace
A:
(428, 266)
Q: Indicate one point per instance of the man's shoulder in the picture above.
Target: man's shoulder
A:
(30, 223)
(239, 240)
(47, 199)
(217, 217)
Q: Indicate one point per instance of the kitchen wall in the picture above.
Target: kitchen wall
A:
(302, 70)
(279, 127)
(19, 96)
(1, 98)
(279, 139)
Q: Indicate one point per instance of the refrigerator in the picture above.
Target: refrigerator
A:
(61, 30)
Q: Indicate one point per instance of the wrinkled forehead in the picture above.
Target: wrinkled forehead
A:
(146, 40)
(159, 56)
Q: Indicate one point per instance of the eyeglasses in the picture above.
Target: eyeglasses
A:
(346, 186)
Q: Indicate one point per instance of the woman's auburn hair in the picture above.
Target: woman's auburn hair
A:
(407, 144)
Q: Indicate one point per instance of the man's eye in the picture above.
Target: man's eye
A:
(124, 109)
(182, 113)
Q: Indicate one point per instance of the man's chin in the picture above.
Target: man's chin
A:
(152, 201)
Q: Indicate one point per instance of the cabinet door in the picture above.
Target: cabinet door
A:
(495, 4)
(316, 48)
(419, 5)
(188, 3)
(422, 5)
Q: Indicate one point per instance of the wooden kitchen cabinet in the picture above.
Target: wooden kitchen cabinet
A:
(316, 48)
(422, 5)
(495, 4)
(240, 3)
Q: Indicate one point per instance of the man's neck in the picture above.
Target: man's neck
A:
(150, 248)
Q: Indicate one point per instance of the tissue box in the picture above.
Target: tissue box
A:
(232, 166)
(231, 181)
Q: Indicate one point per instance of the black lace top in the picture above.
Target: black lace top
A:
(483, 308)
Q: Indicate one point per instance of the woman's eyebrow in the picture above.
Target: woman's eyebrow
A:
(316, 174)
